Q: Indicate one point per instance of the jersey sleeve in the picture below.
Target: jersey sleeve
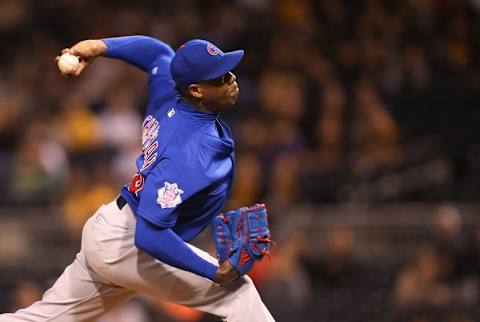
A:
(140, 51)
(160, 83)
(167, 187)
(149, 54)
(166, 246)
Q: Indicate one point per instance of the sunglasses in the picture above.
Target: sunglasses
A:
(220, 81)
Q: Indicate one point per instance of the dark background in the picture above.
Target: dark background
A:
(356, 123)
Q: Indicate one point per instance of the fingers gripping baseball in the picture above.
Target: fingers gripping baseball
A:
(74, 60)
(68, 64)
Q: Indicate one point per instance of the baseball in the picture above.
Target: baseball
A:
(68, 63)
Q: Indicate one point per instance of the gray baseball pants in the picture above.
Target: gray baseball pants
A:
(109, 270)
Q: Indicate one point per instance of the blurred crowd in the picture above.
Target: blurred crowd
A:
(341, 101)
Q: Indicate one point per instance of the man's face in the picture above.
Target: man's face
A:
(220, 93)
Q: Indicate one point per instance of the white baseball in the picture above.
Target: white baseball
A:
(68, 63)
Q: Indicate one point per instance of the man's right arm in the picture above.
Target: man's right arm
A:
(149, 54)
(140, 51)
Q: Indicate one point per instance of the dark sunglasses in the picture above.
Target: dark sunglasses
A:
(220, 81)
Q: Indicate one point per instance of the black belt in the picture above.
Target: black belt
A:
(121, 202)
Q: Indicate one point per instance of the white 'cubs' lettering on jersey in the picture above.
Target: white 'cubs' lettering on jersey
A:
(148, 162)
(149, 141)
(150, 149)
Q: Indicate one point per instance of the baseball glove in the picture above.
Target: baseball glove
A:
(242, 236)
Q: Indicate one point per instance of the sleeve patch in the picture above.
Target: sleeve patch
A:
(169, 195)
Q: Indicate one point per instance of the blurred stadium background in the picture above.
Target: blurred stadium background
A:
(357, 123)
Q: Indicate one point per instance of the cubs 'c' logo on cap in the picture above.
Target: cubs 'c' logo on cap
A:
(212, 49)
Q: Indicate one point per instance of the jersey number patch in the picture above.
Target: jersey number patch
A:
(136, 184)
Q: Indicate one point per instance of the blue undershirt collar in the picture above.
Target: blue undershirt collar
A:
(194, 113)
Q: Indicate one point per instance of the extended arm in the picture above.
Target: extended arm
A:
(140, 51)
(166, 246)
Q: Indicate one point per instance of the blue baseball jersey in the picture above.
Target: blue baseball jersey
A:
(186, 168)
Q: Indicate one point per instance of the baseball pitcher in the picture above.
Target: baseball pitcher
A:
(139, 243)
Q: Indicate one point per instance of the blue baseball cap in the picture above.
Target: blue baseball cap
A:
(198, 60)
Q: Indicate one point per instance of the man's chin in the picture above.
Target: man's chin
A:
(231, 103)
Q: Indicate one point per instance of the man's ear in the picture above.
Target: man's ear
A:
(195, 90)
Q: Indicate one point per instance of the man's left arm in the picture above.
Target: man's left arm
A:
(164, 245)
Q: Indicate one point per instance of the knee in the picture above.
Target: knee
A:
(245, 288)
(245, 303)
(248, 281)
